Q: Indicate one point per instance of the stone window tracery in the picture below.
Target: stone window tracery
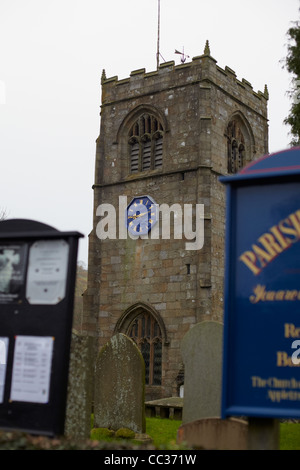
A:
(145, 331)
(236, 147)
(146, 144)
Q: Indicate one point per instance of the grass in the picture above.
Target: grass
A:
(289, 436)
(164, 432)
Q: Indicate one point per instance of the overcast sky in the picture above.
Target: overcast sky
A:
(52, 53)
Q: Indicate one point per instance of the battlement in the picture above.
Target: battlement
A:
(202, 70)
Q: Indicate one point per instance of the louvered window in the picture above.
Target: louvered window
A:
(134, 157)
(145, 332)
(146, 144)
(158, 153)
(146, 159)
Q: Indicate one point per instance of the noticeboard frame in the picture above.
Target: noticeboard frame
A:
(19, 318)
(239, 399)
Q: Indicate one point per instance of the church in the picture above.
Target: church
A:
(165, 138)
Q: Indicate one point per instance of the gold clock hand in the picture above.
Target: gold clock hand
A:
(137, 215)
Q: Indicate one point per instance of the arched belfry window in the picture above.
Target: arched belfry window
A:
(146, 328)
(236, 147)
(145, 142)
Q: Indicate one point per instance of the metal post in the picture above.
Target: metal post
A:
(263, 434)
(158, 33)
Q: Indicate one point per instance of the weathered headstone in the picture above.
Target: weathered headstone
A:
(80, 387)
(201, 351)
(214, 434)
(120, 386)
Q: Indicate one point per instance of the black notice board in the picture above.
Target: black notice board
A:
(37, 284)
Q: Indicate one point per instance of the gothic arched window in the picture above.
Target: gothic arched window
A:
(236, 147)
(145, 144)
(146, 333)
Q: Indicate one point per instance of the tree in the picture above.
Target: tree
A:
(3, 214)
(292, 64)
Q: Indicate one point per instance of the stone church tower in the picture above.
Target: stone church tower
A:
(168, 135)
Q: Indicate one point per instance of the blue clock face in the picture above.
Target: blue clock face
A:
(141, 215)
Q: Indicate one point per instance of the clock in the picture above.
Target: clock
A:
(141, 215)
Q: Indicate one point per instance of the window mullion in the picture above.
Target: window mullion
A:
(145, 145)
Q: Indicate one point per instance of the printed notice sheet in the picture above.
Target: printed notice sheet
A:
(47, 272)
(12, 272)
(32, 369)
(3, 361)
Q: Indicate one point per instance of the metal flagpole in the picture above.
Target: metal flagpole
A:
(158, 32)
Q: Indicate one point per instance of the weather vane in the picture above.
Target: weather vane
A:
(183, 55)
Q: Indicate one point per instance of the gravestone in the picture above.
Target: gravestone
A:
(80, 386)
(120, 386)
(201, 350)
(214, 434)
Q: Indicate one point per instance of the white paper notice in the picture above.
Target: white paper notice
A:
(32, 369)
(47, 272)
(3, 361)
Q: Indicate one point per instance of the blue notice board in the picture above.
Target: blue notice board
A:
(261, 360)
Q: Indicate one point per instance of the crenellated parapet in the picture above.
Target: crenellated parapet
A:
(202, 70)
